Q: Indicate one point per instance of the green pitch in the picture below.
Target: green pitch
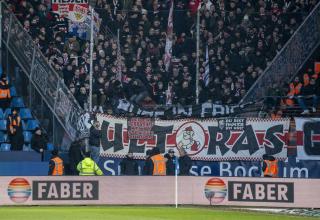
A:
(133, 213)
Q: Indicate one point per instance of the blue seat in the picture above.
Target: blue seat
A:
(27, 136)
(25, 113)
(50, 147)
(13, 91)
(3, 125)
(31, 125)
(1, 114)
(27, 147)
(3, 137)
(7, 112)
(5, 147)
(17, 102)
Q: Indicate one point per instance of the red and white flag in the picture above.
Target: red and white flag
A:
(168, 48)
(194, 6)
(205, 76)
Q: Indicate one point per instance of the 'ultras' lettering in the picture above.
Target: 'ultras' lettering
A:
(261, 191)
(218, 139)
(65, 190)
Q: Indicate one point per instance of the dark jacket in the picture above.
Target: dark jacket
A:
(148, 167)
(38, 142)
(75, 156)
(129, 167)
(17, 138)
(170, 165)
(95, 135)
(185, 164)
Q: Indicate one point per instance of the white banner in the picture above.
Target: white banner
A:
(308, 138)
(211, 139)
(75, 10)
(124, 190)
(82, 29)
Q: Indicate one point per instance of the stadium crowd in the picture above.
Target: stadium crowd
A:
(242, 37)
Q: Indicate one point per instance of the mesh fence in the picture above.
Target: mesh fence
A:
(290, 59)
(48, 96)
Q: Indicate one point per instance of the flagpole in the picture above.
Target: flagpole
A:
(198, 60)
(91, 61)
(119, 76)
(176, 181)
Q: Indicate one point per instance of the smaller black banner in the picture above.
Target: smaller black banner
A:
(65, 190)
(261, 191)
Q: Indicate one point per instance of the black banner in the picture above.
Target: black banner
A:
(204, 110)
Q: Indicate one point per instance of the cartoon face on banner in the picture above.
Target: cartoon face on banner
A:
(191, 137)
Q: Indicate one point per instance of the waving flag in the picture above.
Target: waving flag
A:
(168, 48)
(207, 70)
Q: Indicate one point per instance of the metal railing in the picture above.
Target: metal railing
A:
(43, 78)
(290, 59)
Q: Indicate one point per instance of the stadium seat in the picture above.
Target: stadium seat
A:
(13, 91)
(27, 136)
(7, 112)
(1, 114)
(3, 125)
(5, 147)
(17, 102)
(3, 137)
(50, 147)
(27, 147)
(25, 113)
(31, 125)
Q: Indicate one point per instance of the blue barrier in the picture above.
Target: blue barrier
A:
(24, 168)
(288, 169)
(15, 156)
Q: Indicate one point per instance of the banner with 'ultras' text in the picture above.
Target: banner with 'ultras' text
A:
(308, 138)
(211, 139)
(155, 190)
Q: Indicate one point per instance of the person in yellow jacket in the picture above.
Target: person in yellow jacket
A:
(87, 167)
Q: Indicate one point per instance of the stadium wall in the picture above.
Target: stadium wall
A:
(253, 192)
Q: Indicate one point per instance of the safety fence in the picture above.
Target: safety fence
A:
(49, 98)
(290, 59)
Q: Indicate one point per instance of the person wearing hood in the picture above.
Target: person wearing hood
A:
(39, 142)
(75, 155)
(129, 166)
(87, 167)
